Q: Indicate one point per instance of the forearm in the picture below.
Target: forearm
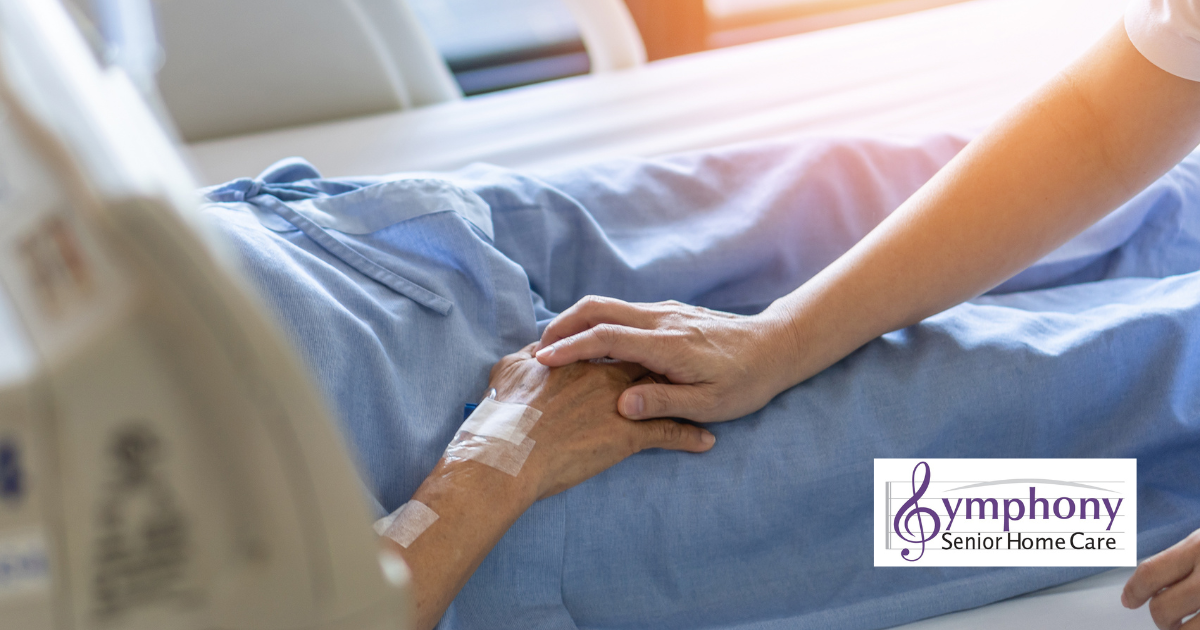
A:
(476, 505)
(1087, 142)
(577, 435)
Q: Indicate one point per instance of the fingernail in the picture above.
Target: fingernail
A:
(1124, 600)
(708, 438)
(634, 405)
(548, 351)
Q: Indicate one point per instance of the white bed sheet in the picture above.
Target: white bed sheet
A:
(1091, 603)
(953, 68)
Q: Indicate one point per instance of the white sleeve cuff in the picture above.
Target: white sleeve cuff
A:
(1167, 32)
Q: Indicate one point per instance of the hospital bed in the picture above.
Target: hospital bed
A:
(955, 68)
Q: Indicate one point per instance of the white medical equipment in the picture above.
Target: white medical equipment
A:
(165, 462)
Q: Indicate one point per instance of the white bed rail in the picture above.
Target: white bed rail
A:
(609, 34)
(243, 66)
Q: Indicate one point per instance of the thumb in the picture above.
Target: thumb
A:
(674, 436)
(665, 401)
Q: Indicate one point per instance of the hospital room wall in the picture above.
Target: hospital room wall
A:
(671, 28)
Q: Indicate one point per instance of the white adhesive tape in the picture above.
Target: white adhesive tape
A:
(499, 454)
(407, 523)
(496, 434)
(508, 421)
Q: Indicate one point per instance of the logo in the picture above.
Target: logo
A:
(1005, 512)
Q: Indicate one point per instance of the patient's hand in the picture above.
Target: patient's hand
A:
(580, 433)
(1171, 581)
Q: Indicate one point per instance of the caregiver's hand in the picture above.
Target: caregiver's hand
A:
(721, 366)
(1171, 581)
(580, 433)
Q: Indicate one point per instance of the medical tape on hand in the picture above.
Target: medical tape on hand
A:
(407, 523)
(496, 434)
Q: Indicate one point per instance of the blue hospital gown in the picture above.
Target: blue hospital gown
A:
(402, 291)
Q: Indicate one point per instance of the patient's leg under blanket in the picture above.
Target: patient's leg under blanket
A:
(730, 229)
(736, 228)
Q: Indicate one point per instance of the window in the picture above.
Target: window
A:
(495, 44)
(733, 22)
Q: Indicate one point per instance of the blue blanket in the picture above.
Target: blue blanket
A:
(402, 291)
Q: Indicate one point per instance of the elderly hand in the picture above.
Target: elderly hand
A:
(580, 433)
(720, 366)
(1171, 582)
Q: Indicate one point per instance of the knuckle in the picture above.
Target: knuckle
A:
(593, 301)
(1143, 576)
(606, 334)
(1150, 570)
(676, 315)
(502, 366)
(696, 332)
(671, 432)
(1159, 613)
(550, 335)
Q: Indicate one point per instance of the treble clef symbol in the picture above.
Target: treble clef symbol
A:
(919, 513)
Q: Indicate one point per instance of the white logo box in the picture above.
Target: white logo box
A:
(976, 512)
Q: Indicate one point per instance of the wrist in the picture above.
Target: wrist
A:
(467, 485)
(806, 334)
(781, 345)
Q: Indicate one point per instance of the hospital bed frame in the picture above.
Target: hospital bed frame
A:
(955, 68)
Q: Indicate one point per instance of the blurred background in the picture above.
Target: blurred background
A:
(497, 44)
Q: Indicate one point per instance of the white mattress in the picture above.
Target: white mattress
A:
(955, 68)
(952, 68)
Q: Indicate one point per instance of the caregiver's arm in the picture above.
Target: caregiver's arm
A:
(1085, 143)
(578, 435)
